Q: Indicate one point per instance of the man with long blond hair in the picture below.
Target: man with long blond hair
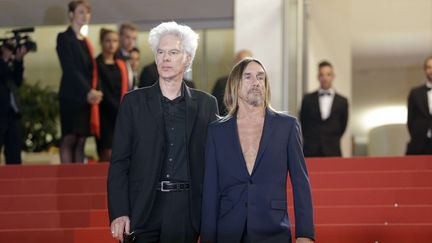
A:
(249, 154)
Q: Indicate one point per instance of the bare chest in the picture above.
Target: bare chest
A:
(250, 137)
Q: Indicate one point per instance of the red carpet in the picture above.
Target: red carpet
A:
(355, 200)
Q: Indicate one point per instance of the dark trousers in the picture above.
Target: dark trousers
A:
(169, 221)
(10, 137)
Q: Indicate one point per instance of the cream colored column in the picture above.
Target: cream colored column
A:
(258, 27)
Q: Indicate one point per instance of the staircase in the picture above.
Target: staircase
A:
(376, 200)
(54, 203)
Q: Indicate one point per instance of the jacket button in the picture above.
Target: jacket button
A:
(245, 204)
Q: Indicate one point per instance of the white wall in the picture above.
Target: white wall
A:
(258, 27)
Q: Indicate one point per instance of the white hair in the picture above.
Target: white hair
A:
(188, 38)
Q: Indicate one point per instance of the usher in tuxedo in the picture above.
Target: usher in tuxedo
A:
(321, 137)
(235, 201)
(419, 121)
(139, 154)
(11, 77)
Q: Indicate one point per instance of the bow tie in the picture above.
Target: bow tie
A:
(428, 88)
(324, 93)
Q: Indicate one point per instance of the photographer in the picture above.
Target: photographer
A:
(11, 77)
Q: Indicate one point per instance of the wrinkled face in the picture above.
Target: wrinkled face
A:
(128, 39)
(81, 15)
(428, 70)
(325, 77)
(171, 59)
(134, 59)
(252, 85)
(110, 43)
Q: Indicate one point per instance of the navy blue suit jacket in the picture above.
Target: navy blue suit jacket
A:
(231, 196)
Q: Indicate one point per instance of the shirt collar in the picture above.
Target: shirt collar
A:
(428, 84)
(178, 99)
(322, 91)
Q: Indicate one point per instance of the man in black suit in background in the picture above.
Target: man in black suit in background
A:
(157, 167)
(128, 38)
(420, 115)
(323, 116)
(11, 77)
(219, 86)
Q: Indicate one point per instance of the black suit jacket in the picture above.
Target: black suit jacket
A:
(322, 137)
(149, 75)
(11, 77)
(77, 67)
(139, 149)
(219, 92)
(419, 120)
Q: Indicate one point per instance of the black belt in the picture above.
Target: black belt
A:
(172, 186)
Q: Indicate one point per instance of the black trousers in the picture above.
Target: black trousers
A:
(10, 138)
(170, 220)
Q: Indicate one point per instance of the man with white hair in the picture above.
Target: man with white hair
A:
(157, 166)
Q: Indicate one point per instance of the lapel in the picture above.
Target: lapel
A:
(191, 111)
(265, 137)
(424, 100)
(82, 53)
(154, 104)
(234, 131)
(333, 105)
(316, 105)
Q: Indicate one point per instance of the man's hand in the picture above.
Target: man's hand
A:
(304, 240)
(119, 226)
(94, 96)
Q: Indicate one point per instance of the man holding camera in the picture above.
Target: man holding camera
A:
(11, 77)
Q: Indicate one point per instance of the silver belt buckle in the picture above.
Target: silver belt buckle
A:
(162, 186)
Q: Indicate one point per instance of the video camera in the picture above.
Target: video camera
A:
(19, 39)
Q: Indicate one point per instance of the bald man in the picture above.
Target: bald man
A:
(219, 87)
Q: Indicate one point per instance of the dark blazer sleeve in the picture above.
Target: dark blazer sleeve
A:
(72, 73)
(301, 187)
(302, 114)
(411, 109)
(343, 116)
(118, 197)
(210, 204)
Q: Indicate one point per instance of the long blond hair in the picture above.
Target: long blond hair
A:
(233, 85)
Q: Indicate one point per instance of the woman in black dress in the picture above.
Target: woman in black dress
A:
(113, 81)
(76, 94)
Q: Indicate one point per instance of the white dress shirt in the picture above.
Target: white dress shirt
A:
(429, 95)
(325, 98)
(129, 70)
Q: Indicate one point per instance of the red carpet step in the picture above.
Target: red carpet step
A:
(54, 219)
(37, 202)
